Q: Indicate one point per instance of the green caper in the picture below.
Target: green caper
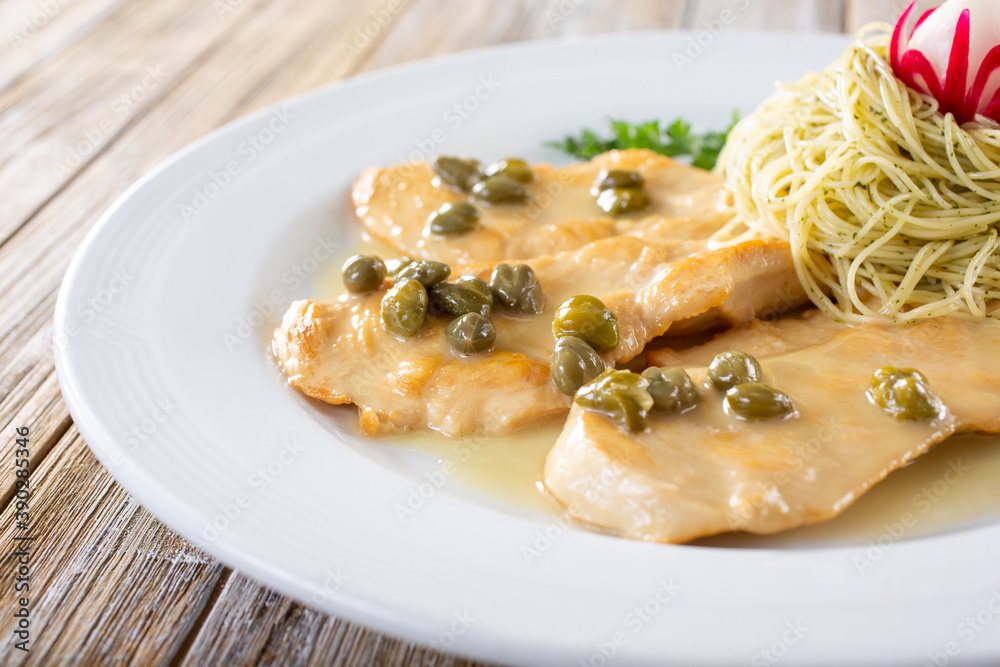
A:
(588, 318)
(458, 172)
(517, 288)
(574, 364)
(672, 390)
(904, 393)
(394, 266)
(363, 273)
(618, 201)
(514, 167)
(621, 394)
(477, 284)
(471, 334)
(459, 299)
(732, 368)
(453, 218)
(404, 307)
(428, 272)
(500, 189)
(756, 401)
(618, 178)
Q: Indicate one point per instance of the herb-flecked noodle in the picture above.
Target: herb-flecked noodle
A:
(891, 208)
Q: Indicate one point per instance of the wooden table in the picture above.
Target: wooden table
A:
(93, 94)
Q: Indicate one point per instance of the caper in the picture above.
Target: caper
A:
(459, 299)
(394, 266)
(756, 401)
(588, 318)
(471, 334)
(618, 178)
(621, 394)
(618, 201)
(500, 189)
(672, 390)
(574, 364)
(514, 167)
(904, 393)
(404, 307)
(517, 288)
(428, 272)
(732, 368)
(477, 284)
(453, 218)
(461, 173)
(363, 273)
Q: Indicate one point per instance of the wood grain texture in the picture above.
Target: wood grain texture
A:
(479, 23)
(825, 15)
(65, 113)
(112, 585)
(35, 30)
(109, 583)
(252, 625)
(862, 12)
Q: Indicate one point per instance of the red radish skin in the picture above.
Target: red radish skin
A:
(947, 76)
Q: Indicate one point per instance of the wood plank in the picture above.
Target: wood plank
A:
(336, 52)
(59, 118)
(250, 625)
(27, 342)
(478, 23)
(38, 29)
(44, 413)
(29, 390)
(826, 15)
(109, 583)
(238, 625)
(592, 18)
(863, 12)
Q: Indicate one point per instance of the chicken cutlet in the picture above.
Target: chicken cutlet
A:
(340, 351)
(756, 337)
(560, 212)
(705, 471)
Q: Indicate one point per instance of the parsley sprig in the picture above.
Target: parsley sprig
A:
(676, 139)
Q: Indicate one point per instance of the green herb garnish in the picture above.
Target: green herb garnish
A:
(674, 140)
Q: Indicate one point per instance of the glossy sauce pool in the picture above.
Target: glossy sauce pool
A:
(953, 487)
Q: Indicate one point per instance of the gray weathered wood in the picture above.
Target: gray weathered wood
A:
(827, 15)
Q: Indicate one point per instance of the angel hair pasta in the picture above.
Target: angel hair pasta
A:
(891, 208)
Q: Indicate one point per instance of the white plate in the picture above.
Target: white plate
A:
(161, 335)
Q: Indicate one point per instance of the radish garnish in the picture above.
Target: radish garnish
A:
(952, 53)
